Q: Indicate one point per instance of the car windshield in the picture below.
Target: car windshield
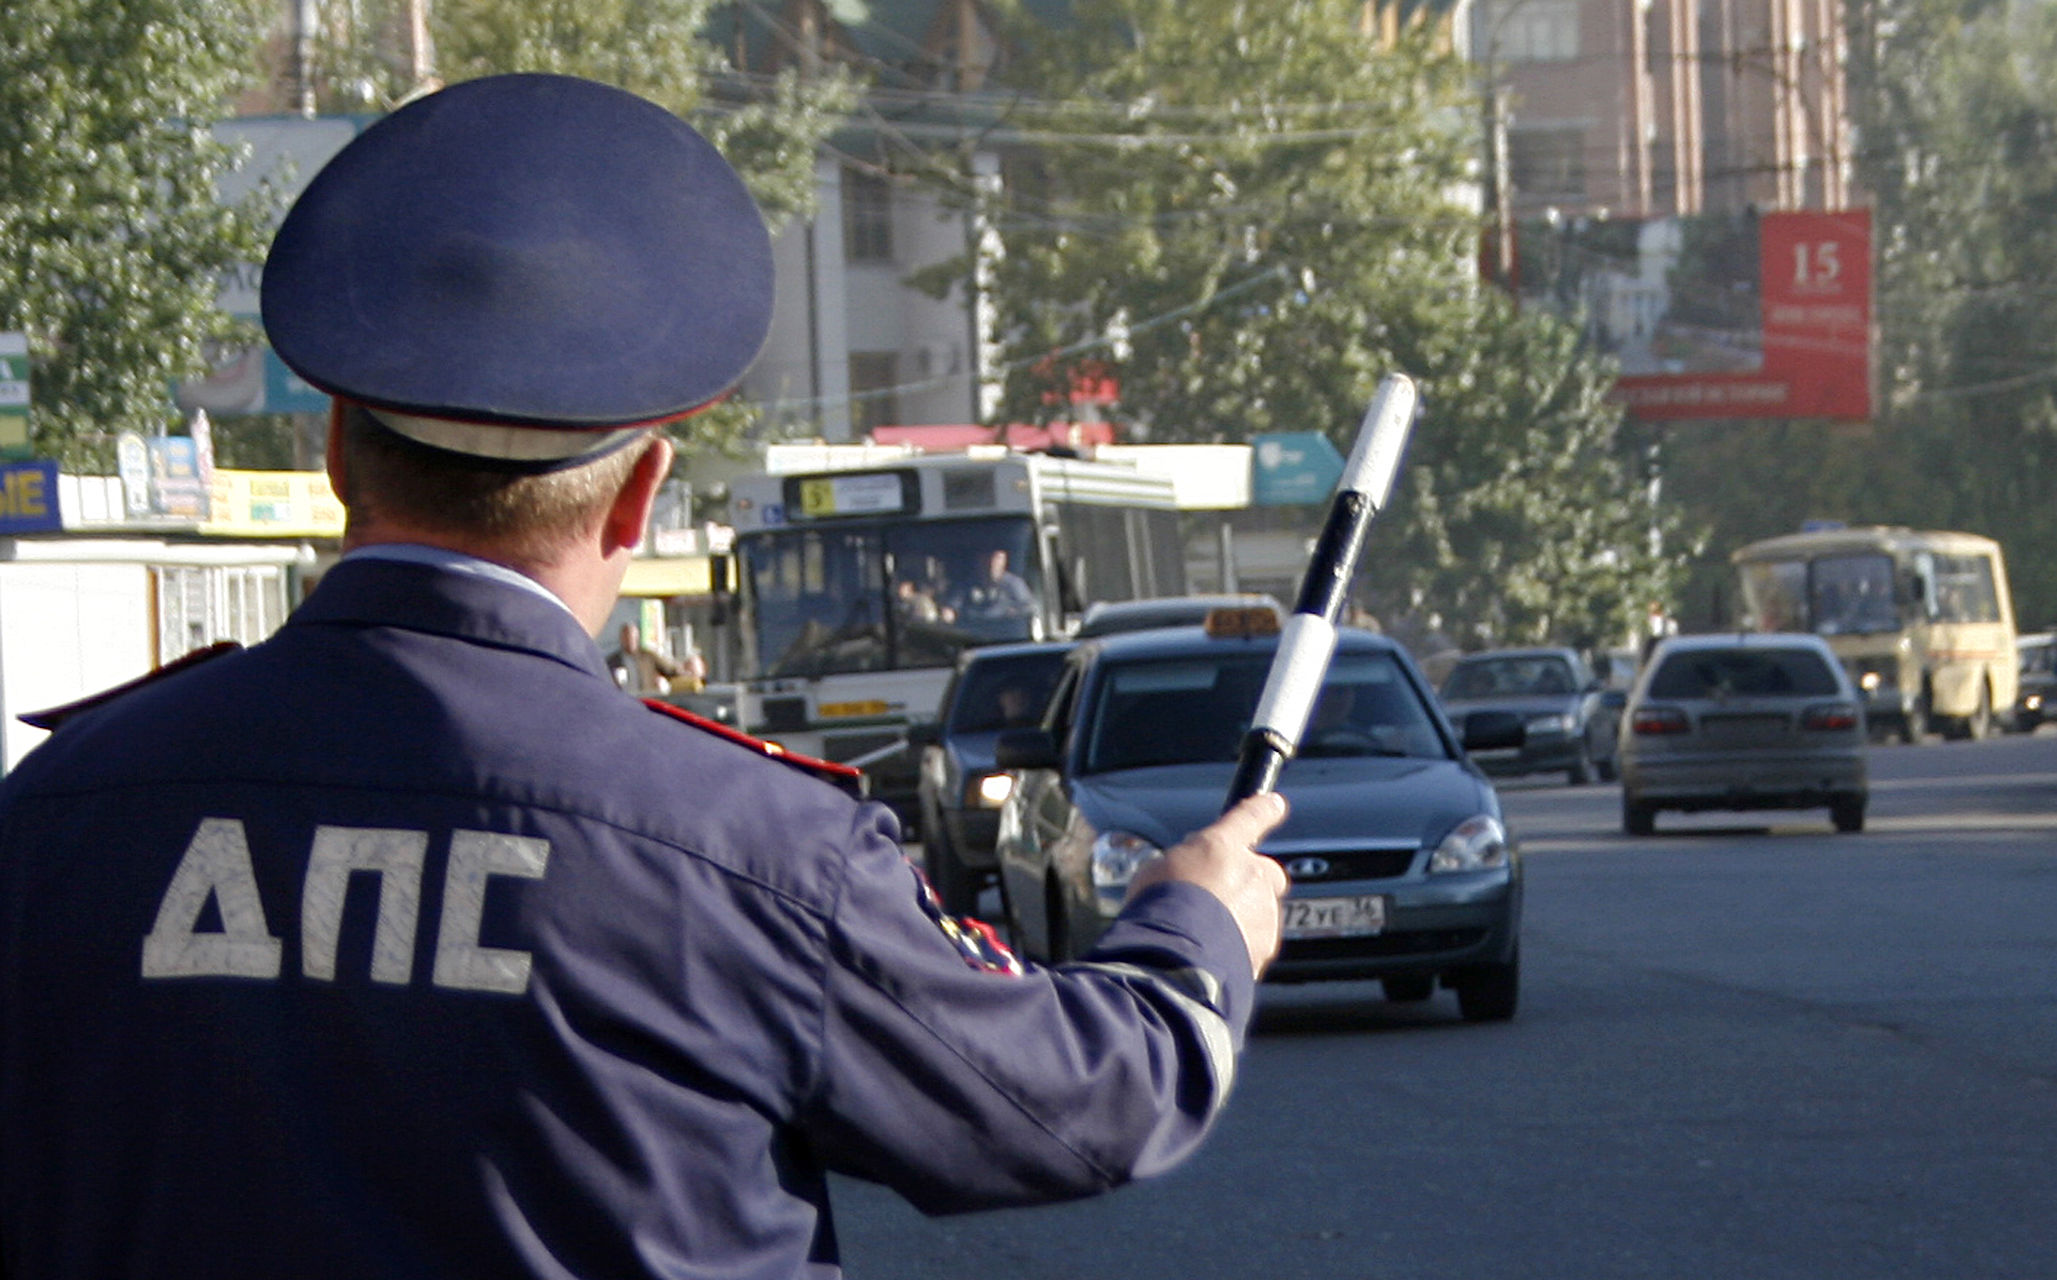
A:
(2037, 659)
(1005, 693)
(1534, 675)
(1195, 709)
(1727, 673)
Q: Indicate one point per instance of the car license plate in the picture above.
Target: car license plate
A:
(1335, 917)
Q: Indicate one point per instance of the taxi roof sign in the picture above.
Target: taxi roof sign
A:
(1243, 622)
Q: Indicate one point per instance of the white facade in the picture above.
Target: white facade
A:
(840, 310)
(80, 615)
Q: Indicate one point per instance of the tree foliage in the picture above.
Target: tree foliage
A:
(1959, 117)
(1955, 102)
(112, 236)
(768, 127)
(1248, 214)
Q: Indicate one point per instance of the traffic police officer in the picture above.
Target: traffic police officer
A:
(404, 944)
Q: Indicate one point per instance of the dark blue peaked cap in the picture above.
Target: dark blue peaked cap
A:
(523, 251)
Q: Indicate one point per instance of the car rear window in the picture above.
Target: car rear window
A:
(1510, 677)
(1005, 693)
(1716, 673)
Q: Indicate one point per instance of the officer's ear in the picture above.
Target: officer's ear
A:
(332, 457)
(629, 515)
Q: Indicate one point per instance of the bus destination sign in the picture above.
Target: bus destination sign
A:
(864, 493)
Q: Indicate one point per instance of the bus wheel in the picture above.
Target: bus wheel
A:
(1979, 724)
(1914, 724)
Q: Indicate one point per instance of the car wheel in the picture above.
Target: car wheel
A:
(956, 884)
(1847, 812)
(1638, 818)
(1409, 988)
(1056, 923)
(1490, 992)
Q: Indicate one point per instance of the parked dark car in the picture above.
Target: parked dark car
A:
(995, 688)
(1764, 721)
(1401, 865)
(1571, 720)
(2036, 700)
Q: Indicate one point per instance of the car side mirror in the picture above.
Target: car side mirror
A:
(1494, 730)
(925, 733)
(1025, 749)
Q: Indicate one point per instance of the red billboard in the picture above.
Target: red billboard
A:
(1716, 316)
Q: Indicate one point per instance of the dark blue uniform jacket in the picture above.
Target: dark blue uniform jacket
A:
(404, 945)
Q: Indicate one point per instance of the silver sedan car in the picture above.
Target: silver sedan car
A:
(1401, 867)
(1743, 722)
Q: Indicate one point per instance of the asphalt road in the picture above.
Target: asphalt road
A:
(1749, 1049)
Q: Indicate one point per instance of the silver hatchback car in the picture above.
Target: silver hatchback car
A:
(1742, 722)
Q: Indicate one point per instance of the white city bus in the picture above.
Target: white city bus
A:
(857, 588)
(1922, 620)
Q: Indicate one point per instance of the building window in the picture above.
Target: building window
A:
(874, 395)
(1532, 31)
(867, 216)
(198, 605)
(1548, 163)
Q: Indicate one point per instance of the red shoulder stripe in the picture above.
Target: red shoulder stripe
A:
(848, 777)
(54, 717)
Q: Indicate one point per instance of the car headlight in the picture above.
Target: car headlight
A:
(990, 791)
(1116, 855)
(1475, 844)
(1556, 723)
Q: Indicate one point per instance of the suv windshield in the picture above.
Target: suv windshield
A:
(1006, 692)
(1728, 673)
(1195, 709)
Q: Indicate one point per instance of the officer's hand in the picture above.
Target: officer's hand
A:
(1222, 859)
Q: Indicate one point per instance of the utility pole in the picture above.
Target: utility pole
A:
(1500, 187)
(306, 16)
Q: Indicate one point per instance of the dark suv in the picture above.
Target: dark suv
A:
(995, 688)
(1571, 720)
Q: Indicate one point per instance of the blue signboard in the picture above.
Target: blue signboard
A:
(28, 498)
(1293, 468)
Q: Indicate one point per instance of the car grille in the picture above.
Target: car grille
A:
(1348, 864)
(849, 746)
(1421, 942)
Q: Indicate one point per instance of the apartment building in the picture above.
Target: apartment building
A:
(1644, 108)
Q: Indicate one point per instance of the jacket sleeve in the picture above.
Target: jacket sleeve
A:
(963, 1086)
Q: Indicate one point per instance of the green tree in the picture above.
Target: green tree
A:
(1250, 213)
(665, 50)
(112, 236)
(1956, 105)
(1959, 106)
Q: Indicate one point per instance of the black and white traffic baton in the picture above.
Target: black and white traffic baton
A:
(1309, 635)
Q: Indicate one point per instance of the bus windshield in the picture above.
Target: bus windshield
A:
(1831, 594)
(848, 598)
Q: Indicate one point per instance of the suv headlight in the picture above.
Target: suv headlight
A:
(989, 790)
(1116, 855)
(1475, 844)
